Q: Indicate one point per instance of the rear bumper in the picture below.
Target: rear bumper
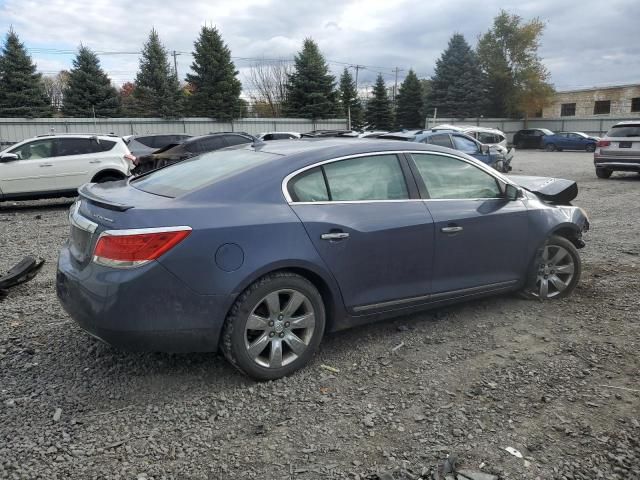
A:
(143, 309)
(629, 164)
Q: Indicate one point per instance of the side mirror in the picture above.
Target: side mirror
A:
(512, 193)
(9, 157)
(484, 149)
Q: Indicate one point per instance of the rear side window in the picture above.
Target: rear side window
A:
(237, 139)
(212, 143)
(624, 131)
(146, 141)
(442, 140)
(102, 146)
(375, 177)
(451, 178)
(488, 137)
(190, 175)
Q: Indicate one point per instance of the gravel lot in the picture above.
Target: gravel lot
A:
(558, 381)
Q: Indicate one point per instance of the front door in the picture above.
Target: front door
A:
(374, 238)
(32, 172)
(480, 237)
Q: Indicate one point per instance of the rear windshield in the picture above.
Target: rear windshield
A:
(546, 131)
(624, 131)
(199, 171)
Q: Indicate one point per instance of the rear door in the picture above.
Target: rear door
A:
(76, 160)
(480, 237)
(370, 228)
(33, 171)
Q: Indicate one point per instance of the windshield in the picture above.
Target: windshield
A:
(199, 171)
(624, 131)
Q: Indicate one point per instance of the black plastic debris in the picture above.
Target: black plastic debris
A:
(22, 272)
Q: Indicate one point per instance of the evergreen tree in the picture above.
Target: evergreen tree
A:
(379, 114)
(157, 89)
(349, 101)
(311, 89)
(517, 79)
(21, 88)
(409, 103)
(457, 86)
(89, 90)
(214, 83)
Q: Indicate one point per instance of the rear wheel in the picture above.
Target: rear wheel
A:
(555, 271)
(603, 172)
(108, 178)
(591, 147)
(550, 147)
(274, 327)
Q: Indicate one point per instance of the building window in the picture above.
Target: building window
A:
(538, 114)
(602, 107)
(568, 110)
(635, 104)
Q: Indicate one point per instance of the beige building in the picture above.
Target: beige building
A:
(622, 100)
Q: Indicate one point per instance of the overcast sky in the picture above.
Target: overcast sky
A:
(586, 42)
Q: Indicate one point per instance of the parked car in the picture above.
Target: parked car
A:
(618, 150)
(140, 145)
(52, 166)
(530, 138)
(496, 156)
(177, 152)
(258, 250)
(486, 135)
(569, 141)
(278, 136)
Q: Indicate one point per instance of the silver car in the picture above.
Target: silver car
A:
(618, 150)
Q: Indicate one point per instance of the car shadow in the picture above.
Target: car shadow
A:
(11, 206)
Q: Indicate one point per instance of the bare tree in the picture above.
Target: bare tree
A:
(267, 82)
(54, 86)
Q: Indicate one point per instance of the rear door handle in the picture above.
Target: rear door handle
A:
(334, 236)
(451, 229)
(46, 165)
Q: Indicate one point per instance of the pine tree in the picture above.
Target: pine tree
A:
(409, 103)
(21, 89)
(379, 114)
(214, 83)
(89, 91)
(311, 89)
(157, 89)
(349, 101)
(457, 87)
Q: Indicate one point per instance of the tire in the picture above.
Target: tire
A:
(603, 172)
(590, 148)
(273, 349)
(550, 147)
(555, 271)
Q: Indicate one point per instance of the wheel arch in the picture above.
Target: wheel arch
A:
(109, 172)
(569, 231)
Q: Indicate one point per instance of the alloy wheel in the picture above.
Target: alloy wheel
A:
(279, 328)
(555, 272)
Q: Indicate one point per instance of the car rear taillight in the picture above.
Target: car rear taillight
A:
(603, 143)
(131, 158)
(133, 248)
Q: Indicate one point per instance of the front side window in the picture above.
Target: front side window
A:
(451, 178)
(441, 140)
(73, 146)
(35, 150)
(375, 177)
(488, 138)
(465, 145)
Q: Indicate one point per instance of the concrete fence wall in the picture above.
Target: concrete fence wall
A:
(16, 129)
(591, 125)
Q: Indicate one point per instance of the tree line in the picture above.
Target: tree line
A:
(502, 77)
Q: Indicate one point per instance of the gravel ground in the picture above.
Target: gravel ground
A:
(558, 381)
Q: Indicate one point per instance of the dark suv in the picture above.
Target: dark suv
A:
(530, 137)
(176, 152)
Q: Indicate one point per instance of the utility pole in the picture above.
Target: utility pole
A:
(395, 86)
(175, 63)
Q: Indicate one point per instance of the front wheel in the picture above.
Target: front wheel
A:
(274, 327)
(555, 271)
(603, 172)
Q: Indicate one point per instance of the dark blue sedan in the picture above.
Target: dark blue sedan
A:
(259, 250)
(569, 141)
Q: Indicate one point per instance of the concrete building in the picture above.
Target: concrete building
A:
(617, 101)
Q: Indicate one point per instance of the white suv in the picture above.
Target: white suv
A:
(56, 165)
(486, 135)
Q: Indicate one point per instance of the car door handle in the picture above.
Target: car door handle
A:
(334, 236)
(95, 161)
(451, 229)
(46, 165)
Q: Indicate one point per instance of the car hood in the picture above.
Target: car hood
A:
(554, 190)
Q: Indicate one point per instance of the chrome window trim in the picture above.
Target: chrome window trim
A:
(494, 173)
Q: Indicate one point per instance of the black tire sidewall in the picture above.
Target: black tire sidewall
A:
(246, 303)
(603, 173)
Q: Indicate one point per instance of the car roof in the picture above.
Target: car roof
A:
(627, 122)
(216, 134)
